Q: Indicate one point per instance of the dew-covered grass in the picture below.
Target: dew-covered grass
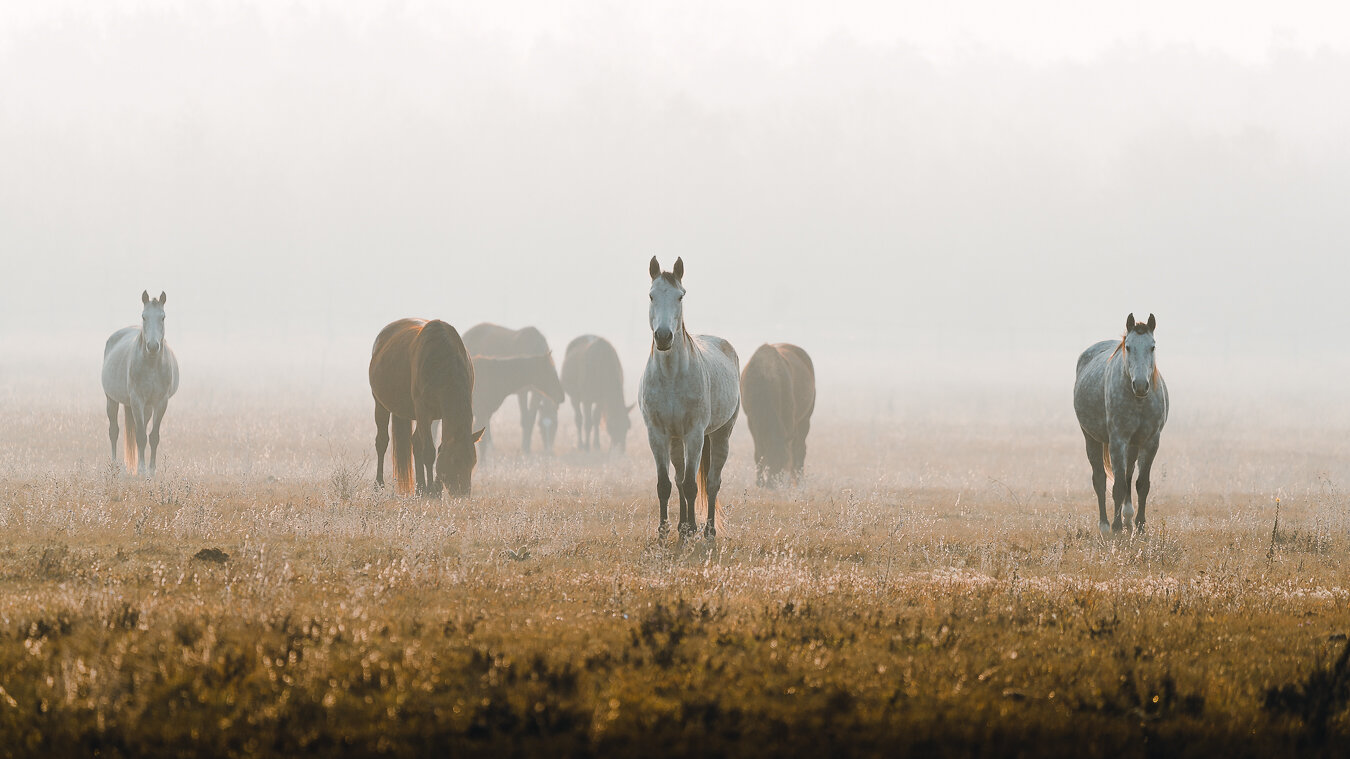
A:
(936, 586)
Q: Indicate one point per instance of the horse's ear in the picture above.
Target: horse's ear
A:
(479, 434)
(1129, 323)
(162, 297)
(654, 268)
(145, 296)
(678, 271)
(1152, 323)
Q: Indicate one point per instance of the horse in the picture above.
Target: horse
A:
(420, 372)
(690, 397)
(499, 377)
(593, 378)
(140, 373)
(1121, 402)
(489, 339)
(778, 392)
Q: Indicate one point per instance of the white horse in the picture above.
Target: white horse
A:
(690, 396)
(140, 373)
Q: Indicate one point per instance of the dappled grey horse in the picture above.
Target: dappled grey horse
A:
(1121, 402)
(690, 395)
(140, 373)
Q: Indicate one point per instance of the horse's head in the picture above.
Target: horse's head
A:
(152, 322)
(666, 314)
(455, 460)
(548, 383)
(1138, 346)
(618, 425)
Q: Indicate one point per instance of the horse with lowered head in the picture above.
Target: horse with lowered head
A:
(496, 341)
(1121, 402)
(593, 378)
(140, 373)
(690, 398)
(499, 377)
(420, 373)
(778, 393)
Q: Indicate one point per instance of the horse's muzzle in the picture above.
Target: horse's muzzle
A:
(664, 338)
(1140, 388)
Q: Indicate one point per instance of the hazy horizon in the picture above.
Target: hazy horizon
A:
(915, 195)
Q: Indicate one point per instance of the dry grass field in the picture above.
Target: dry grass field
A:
(937, 587)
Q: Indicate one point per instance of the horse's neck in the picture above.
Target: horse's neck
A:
(679, 359)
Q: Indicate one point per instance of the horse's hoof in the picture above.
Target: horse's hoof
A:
(663, 530)
(1117, 526)
(1105, 528)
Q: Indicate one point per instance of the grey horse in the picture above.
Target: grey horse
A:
(140, 374)
(690, 396)
(1121, 402)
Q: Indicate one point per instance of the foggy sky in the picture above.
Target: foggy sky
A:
(909, 193)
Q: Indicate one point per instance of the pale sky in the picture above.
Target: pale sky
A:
(893, 185)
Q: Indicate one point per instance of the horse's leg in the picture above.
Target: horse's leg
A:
(419, 437)
(381, 440)
(527, 414)
(693, 455)
(140, 418)
(677, 463)
(593, 426)
(581, 431)
(799, 451)
(660, 446)
(1132, 456)
(112, 426)
(1120, 490)
(154, 434)
(1094, 454)
(720, 443)
(1149, 450)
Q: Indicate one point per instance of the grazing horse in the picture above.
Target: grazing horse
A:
(1121, 402)
(778, 392)
(690, 398)
(489, 339)
(499, 377)
(140, 373)
(593, 379)
(420, 372)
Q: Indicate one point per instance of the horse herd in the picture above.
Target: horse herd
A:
(425, 375)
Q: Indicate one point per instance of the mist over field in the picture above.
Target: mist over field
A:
(919, 197)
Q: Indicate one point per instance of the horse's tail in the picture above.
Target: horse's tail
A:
(1106, 462)
(705, 463)
(129, 452)
(403, 459)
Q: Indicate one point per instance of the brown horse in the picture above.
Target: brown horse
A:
(494, 340)
(500, 377)
(778, 392)
(593, 379)
(420, 372)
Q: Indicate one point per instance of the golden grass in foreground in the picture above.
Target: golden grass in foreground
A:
(935, 587)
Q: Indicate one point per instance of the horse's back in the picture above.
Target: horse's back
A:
(116, 361)
(488, 339)
(442, 373)
(1089, 388)
(765, 391)
(803, 373)
(391, 366)
(592, 371)
(724, 377)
